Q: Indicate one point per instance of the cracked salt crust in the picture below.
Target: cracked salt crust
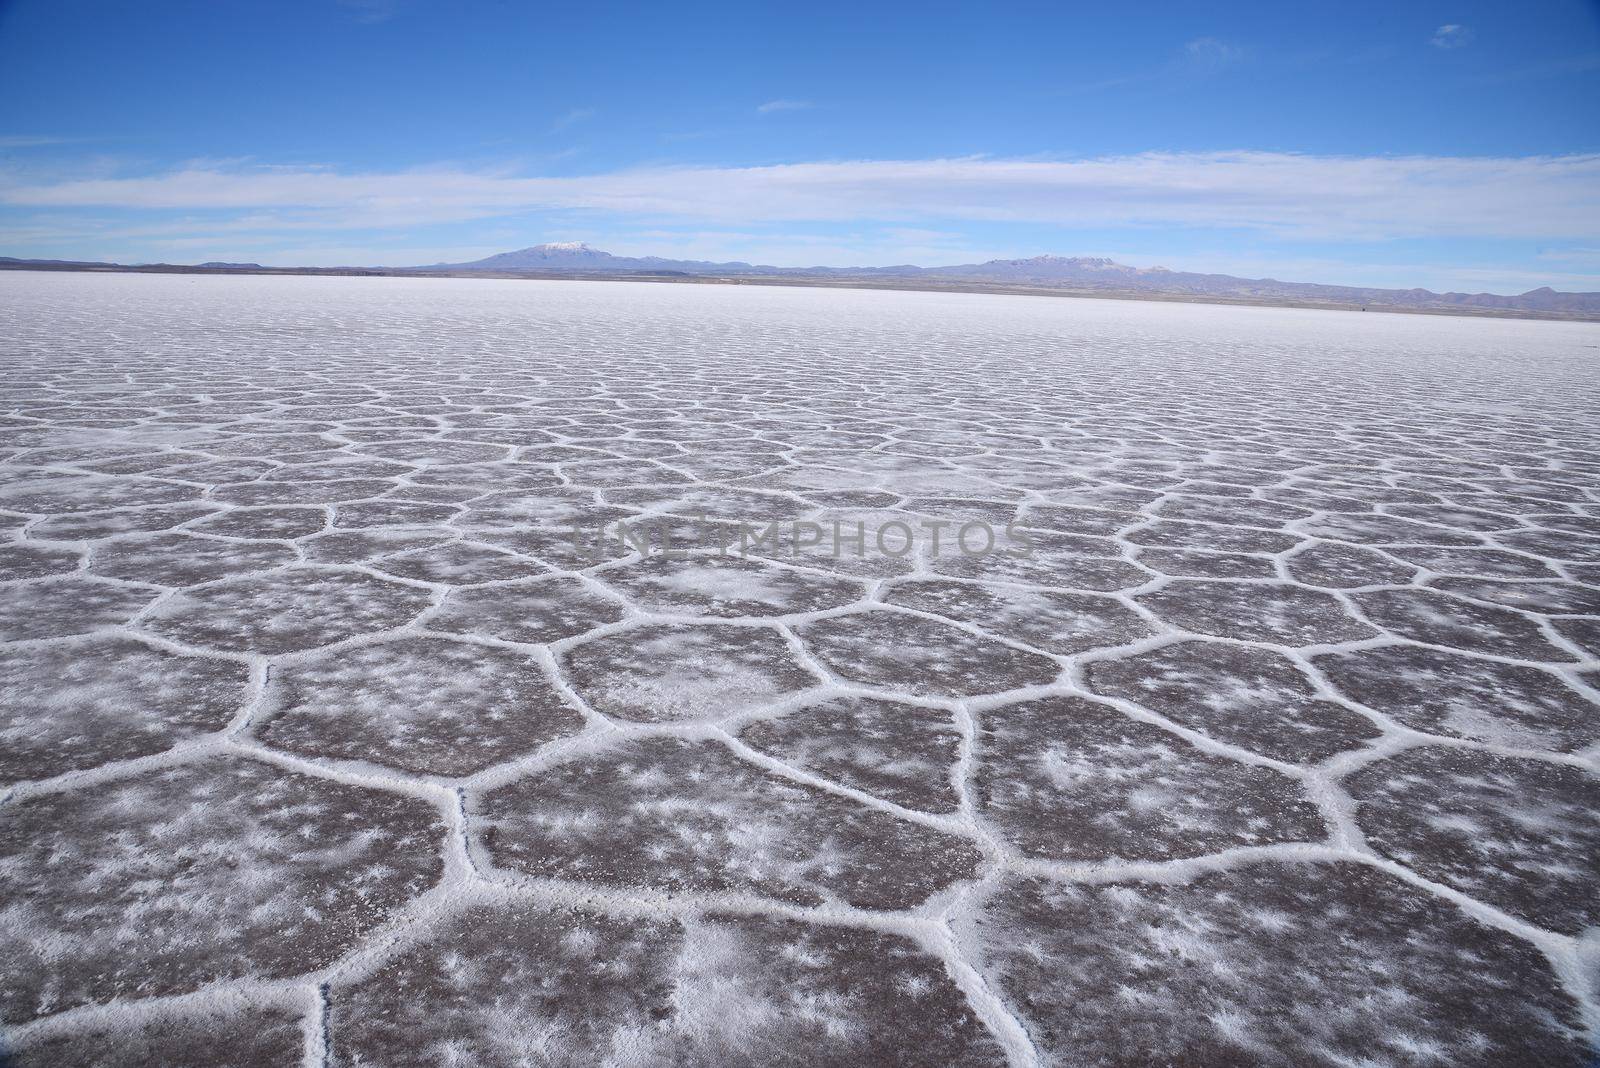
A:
(325, 743)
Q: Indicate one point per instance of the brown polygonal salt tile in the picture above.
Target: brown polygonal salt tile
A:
(242, 1037)
(517, 984)
(428, 705)
(1375, 529)
(392, 513)
(673, 814)
(1340, 567)
(1544, 597)
(1041, 558)
(1249, 697)
(1516, 833)
(1104, 497)
(84, 703)
(1070, 520)
(1070, 779)
(459, 564)
(852, 498)
(1207, 488)
(1440, 619)
(1050, 620)
(508, 985)
(1584, 633)
(1458, 518)
(50, 493)
(434, 494)
(1195, 563)
(1276, 612)
(220, 472)
(55, 607)
(1573, 546)
(1514, 705)
(899, 752)
(331, 491)
(289, 610)
(185, 559)
(1577, 524)
(714, 502)
(723, 466)
(18, 561)
(111, 461)
(88, 526)
(263, 522)
(569, 549)
(838, 551)
(668, 673)
(554, 510)
(1475, 563)
(358, 546)
(228, 868)
(432, 453)
(622, 472)
(726, 586)
(1265, 514)
(897, 650)
(1232, 539)
(939, 483)
(534, 611)
(955, 511)
(1268, 965)
(279, 439)
(501, 477)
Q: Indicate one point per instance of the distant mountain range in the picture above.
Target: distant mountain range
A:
(1059, 274)
(1052, 272)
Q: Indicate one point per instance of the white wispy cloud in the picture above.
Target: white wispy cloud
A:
(572, 118)
(1450, 35)
(784, 105)
(1583, 257)
(370, 12)
(24, 141)
(1209, 53)
(1281, 194)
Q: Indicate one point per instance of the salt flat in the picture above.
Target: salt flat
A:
(325, 741)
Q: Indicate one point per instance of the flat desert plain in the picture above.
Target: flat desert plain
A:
(388, 678)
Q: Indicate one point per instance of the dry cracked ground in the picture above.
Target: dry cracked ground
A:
(323, 744)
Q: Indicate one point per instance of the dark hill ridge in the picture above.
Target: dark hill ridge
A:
(1066, 275)
(1064, 272)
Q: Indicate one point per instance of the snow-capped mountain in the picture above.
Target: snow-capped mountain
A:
(575, 255)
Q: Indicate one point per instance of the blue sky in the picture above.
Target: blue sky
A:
(1448, 145)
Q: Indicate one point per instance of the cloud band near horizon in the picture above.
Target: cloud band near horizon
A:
(1293, 196)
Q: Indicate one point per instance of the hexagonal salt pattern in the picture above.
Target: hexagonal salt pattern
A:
(1253, 698)
(340, 724)
(1520, 834)
(80, 703)
(1069, 779)
(425, 705)
(1269, 964)
(922, 656)
(899, 752)
(675, 673)
(675, 814)
(581, 988)
(168, 880)
(286, 611)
